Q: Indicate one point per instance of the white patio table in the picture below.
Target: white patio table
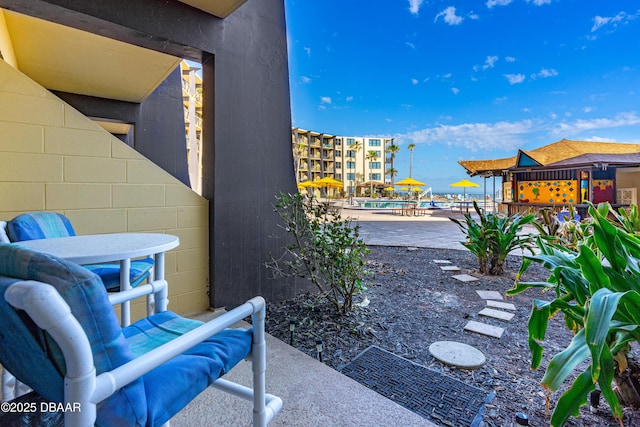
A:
(100, 248)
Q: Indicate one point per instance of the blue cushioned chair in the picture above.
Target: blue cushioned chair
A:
(46, 225)
(61, 337)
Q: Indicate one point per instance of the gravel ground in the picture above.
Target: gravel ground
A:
(413, 303)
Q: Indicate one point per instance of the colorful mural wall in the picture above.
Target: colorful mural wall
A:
(602, 190)
(546, 192)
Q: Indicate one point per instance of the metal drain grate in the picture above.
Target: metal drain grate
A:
(442, 399)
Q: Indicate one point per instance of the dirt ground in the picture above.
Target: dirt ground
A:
(413, 303)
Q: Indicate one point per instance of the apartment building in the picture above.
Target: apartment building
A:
(192, 101)
(354, 160)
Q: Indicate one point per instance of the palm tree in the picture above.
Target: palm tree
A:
(411, 147)
(393, 149)
(354, 148)
(299, 152)
(371, 156)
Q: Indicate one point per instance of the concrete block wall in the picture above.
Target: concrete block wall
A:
(54, 158)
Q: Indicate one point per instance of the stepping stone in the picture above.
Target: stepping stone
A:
(441, 261)
(490, 295)
(496, 314)
(503, 305)
(457, 354)
(450, 268)
(484, 329)
(465, 278)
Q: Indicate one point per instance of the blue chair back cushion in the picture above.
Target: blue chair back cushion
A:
(39, 225)
(32, 355)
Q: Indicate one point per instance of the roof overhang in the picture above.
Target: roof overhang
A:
(219, 8)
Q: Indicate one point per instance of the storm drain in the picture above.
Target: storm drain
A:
(429, 394)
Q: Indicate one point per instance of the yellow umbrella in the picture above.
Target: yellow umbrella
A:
(465, 183)
(328, 182)
(403, 189)
(410, 181)
(305, 184)
(416, 189)
(388, 188)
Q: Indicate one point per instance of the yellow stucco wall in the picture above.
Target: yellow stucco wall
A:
(54, 158)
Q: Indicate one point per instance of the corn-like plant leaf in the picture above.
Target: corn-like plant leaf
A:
(591, 268)
(602, 307)
(565, 362)
(605, 381)
(570, 402)
(605, 236)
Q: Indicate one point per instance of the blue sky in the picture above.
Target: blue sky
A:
(465, 79)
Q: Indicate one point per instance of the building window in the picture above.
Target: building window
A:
(374, 143)
(351, 177)
(338, 153)
(374, 176)
(351, 165)
(351, 153)
(378, 154)
(351, 141)
(338, 165)
(374, 165)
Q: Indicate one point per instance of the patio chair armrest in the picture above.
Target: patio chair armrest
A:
(108, 383)
(157, 287)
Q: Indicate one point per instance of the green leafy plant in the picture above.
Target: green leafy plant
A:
(597, 289)
(493, 237)
(326, 249)
(565, 232)
(628, 219)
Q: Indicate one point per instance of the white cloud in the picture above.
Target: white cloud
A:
(588, 109)
(455, 90)
(601, 21)
(349, 98)
(545, 73)
(450, 16)
(411, 45)
(325, 99)
(577, 126)
(305, 79)
(474, 136)
(514, 78)
(490, 62)
(308, 50)
(510, 59)
(414, 6)
(414, 81)
(539, 2)
(492, 3)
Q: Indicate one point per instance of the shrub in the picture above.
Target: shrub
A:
(597, 288)
(326, 249)
(494, 237)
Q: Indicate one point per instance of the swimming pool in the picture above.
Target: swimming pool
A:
(397, 204)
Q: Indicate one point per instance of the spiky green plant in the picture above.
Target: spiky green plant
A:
(493, 237)
(597, 288)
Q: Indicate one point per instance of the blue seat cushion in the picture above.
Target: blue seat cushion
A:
(173, 385)
(110, 272)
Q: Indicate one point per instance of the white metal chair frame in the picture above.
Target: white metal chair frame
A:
(84, 388)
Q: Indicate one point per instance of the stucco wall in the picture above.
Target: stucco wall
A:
(54, 158)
